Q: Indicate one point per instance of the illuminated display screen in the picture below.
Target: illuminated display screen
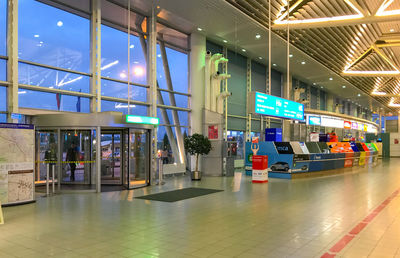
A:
(142, 120)
(314, 120)
(273, 106)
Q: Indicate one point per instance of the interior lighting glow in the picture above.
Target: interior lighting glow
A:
(372, 72)
(359, 95)
(60, 23)
(132, 46)
(331, 79)
(344, 86)
(244, 50)
(122, 75)
(225, 41)
(22, 92)
(290, 55)
(303, 63)
(258, 36)
(109, 65)
(378, 93)
(36, 35)
(138, 71)
(62, 83)
(273, 64)
(199, 29)
(120, 105)
(260, 57)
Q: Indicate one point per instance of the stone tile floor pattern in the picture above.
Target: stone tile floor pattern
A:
(298, 218)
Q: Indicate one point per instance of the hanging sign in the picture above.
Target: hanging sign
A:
(212, 132)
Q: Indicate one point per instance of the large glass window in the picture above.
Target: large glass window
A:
(123, 107)
(3, 27)
(114, 53)
(3, 70)
(3, 99)
(54, 37)
(50, 78)
(51, 101)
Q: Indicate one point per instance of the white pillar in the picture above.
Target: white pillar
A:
(95, 103)
(197, 83)
(197, 70)
(287, 89)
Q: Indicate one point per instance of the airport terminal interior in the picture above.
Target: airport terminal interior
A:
(200, 128)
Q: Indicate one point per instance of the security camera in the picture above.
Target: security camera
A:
(208, 52)
(296, 88)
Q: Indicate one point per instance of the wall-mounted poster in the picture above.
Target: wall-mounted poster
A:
(212, 132)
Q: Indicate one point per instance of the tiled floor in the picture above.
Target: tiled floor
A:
(298, 218)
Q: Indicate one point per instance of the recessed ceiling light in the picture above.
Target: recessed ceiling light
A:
(391, 30)
(60, 23)
(273, 64)
(322, 87)
(344, 86)
(290, 55)
(314, 83)
(260, 57)
(258, 36)
(244, 50)
(303, 62)
(359, 94)
(225, 41)
(199, 29)
(36, 35)
(331, 79)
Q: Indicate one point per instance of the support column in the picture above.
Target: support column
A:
(152, 81)
(287, 89)
(95, 84)
(98, 159)
(330, 106)
(12, 63)
(197, 59)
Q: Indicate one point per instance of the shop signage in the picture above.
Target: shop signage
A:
(314, 120)
(142, 120)
(354, 125)
(331, 122)
(347, 125)
(269, 105)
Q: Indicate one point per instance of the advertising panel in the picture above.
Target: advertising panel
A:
(331, 122)
(347, 125)
(354, 125)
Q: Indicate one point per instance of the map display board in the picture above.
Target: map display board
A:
(17, 144)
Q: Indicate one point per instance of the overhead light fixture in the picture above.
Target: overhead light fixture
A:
(260, 57)
(322, 87)
(303, 62)
(273, 64)
(60, 23)
(290, 55)
(244, 50)
(36, 35)
(331, 79)
(258, 36)
(314, 83)
(359, 94)
(199, 29)
(225, 41)
(391, 30)
(344, 86)
(379, 93)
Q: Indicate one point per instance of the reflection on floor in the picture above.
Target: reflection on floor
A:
(351, 215)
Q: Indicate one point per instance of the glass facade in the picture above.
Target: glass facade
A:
(3, 27)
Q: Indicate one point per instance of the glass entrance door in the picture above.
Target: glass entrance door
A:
(111, 158)
(46, 155)
(139, 158)
(76, 158)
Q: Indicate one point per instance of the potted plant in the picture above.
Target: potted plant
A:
(197, 145)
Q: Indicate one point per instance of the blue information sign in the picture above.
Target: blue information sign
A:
(274, 106)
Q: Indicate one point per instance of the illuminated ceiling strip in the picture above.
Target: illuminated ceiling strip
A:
(382, 9)
(378, 93)
(281, 17)
(396, 71)
(362, 18)
(319, 20)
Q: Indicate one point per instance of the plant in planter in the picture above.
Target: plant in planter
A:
(197, 145)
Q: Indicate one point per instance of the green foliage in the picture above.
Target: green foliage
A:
(197, 144)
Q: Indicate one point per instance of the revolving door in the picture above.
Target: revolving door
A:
(111, 155)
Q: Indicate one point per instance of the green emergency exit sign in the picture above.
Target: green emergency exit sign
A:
(142, 120)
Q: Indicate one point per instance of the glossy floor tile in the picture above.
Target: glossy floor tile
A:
(283, 218)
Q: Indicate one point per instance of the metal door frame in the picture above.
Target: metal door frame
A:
(121, 132)
(148, 134)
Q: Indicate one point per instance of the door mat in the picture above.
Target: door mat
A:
(179, 195)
